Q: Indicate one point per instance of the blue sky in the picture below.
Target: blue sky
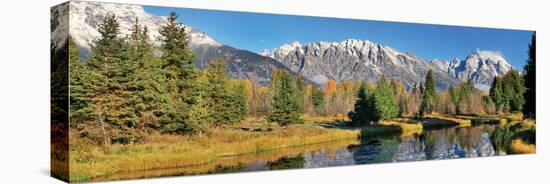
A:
(257, 31)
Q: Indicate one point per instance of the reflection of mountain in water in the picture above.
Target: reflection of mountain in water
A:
(328, 157)
(431, 145)
(410, 149)
(461, 143)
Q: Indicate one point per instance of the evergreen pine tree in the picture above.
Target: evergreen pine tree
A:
(514, 90)
(238, 101)
(465, 90)
(81, 90)
(496, 93)
(149, 81)
(226, 103)
(200, 114)
(181, 76)
(284, 106)
(364, 111)
(177, 58)
(429, 98)
(385, 101)
(529, 108)
(111, 72)
(141, 50)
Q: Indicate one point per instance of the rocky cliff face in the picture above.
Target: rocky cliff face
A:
(363, 60)
(481, 67)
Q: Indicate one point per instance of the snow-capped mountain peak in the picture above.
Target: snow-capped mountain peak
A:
(481, 67)
(349, 59)
(84, 18)
(354, 59)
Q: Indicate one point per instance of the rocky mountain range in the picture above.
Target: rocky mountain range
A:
(318, 62)
(363, 60)
(84, 17)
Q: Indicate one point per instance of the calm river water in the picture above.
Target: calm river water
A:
(447, 143)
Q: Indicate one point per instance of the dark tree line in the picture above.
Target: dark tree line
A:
(124, 90)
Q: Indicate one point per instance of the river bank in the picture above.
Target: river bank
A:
(229, 146)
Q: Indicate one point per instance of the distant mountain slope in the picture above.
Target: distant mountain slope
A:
(86, 16)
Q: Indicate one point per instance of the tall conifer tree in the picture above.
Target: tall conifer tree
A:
(364, 111)
(223, 99)
(284, 107)
(81, 90)
(429, 98)
(385, 100)
(530, 81)
(181, 76)
(111, 72)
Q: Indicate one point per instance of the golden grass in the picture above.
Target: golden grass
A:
(406, 128)
(176, 151)
(162, 155)
(503, 121)
(530, 123)
(518, 116)
(401, 126)
(441, 122)
(518, 146)
(461, 121)
(325, 119)
(229, 162)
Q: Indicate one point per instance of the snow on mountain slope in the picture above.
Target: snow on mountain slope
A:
(481, 67)
(84, 18)
(363, 60)
(350, 59)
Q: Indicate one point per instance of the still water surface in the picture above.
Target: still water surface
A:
(447, 143)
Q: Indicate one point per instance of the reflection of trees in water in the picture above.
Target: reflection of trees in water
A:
(501, 137)
(375, 149)
(287, 163)
(227, 169)
(432, 144)
(429, 144)
(477, 141)
(388, 149)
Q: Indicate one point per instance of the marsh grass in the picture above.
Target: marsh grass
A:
(160, 151)
(438, 121)
(225, 148)
(400, 126)
(230, 163)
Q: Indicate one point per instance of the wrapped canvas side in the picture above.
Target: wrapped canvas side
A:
(59, 88)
